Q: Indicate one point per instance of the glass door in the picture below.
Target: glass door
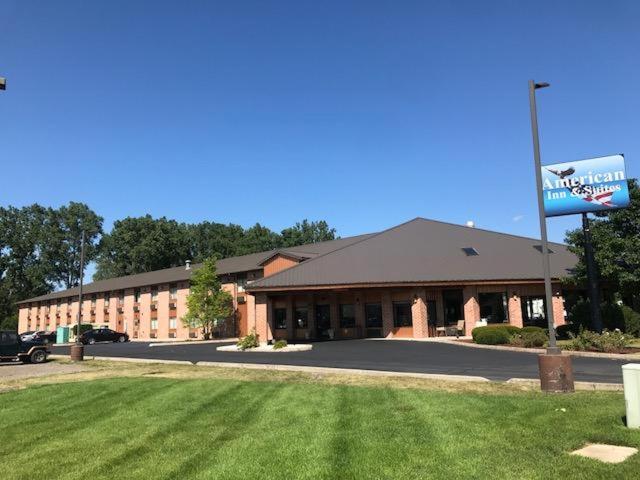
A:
(323, 321)
(373, 320)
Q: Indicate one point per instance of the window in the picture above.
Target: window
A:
(534, 311)
(173, 291)
(493, 307)
(280, 317)
(241, 282)
(136, 295)
(402, 314)
(154, 294)
(69, 301)
(301, 316)
(121, 296)
(470, 251)
(347, 316)
(173, 323)
(93, 300)
(154, 324)
(106, 299)
(373, 315)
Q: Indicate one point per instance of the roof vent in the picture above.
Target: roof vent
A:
(470, 251)
(471, 224)
(187, 265)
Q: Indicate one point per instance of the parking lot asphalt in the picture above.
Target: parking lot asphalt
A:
(396, 356)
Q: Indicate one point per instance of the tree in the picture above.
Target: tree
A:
(142, 244)
(62, 245)
(209, 239)
(258, 239)
(616, 243)
(207, 302)
(307, 232)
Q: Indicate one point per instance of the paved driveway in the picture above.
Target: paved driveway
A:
(396, 355)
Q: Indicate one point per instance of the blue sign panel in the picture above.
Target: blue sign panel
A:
(585, 186)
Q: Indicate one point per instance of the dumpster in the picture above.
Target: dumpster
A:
(62, 335)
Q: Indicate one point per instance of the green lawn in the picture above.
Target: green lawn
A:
(153, 428)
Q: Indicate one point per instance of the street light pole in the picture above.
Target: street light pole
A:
(556, 372)
(553, 348)
(77, 350)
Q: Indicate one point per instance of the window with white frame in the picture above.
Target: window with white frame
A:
(154, 324)
(173, 323)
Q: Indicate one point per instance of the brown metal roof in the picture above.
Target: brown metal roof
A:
(424, 251)
(243, 263)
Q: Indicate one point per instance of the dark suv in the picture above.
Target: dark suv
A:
(12, 347)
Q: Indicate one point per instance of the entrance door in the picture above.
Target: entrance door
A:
(452, 300)
(323, 321)
(373, 320)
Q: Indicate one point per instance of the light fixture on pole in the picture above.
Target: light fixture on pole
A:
(556, 373)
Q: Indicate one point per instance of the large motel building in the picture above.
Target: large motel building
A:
(409, 281)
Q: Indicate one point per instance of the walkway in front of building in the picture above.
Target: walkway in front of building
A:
(396, 356)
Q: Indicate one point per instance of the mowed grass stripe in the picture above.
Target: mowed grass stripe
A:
(216, 428)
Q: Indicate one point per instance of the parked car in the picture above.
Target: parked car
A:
(41, 335)
(12, 347)
(103, 335)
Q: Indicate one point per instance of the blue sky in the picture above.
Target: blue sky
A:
(365, 114)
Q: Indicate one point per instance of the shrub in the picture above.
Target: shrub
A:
(279, 344)
(610, 342)
(612, 315)
(631, 321)
(249, 341)
(530, 339)
(508, 330)
(533, 330)
(564, 332)
(491, 336)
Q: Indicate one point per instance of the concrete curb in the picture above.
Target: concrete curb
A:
(580, 386)
(608, 356)
(193, 342)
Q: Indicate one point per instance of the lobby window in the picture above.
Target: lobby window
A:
(347, 316)
(154, 294)
(154, 324)
(280, 317)
(173, 323)
(173, 291)
(493, 307)
(534, 311)
(241, 282)
(402, 314)
(301, 315)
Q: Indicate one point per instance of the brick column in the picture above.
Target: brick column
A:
(471, 308)
(251, 312)
(515, 308)
(290, 319)
(182, 330)
(419, 313)
(262, 317)
(387, 315)
(144, 319)
(558, 305)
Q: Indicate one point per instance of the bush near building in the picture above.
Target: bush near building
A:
(494, 334)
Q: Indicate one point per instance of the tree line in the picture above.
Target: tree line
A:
(40, 247)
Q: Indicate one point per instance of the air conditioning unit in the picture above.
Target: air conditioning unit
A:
(154, 306)
(242, 300)
(172, 304)
(136, 308)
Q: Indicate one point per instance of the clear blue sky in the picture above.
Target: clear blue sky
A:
(365, 114)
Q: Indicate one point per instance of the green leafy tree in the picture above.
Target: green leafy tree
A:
(210, 239)
(307, 232)
(258, 239)
(142, 244)
(62, 244)
(616, 242)
(207, 302)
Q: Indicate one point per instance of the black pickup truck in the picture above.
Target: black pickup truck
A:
(14, 349)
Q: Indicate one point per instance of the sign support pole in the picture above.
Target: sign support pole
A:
(556, 373)
(592, 276)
